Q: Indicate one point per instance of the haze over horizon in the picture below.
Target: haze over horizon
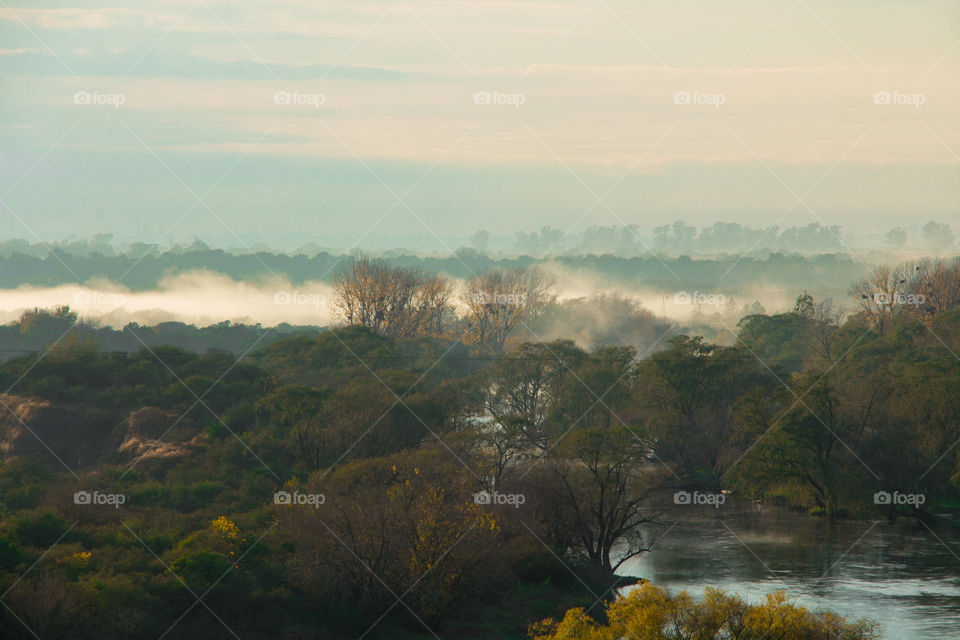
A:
(473, 319)
(376, 124)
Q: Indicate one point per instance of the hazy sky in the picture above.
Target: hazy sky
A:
(417, 123)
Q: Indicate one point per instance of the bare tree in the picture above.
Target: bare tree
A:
(924, 288)
(934, 284)
(498, 301)
(824, 323)
(389, 300)
(881, 295)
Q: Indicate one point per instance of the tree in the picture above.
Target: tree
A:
(689, 390)
(297, 412)
(823, 321)
(392, 301)
(498, 302)
(811, 437)
(544, 242)
(897, 237)
(49, 605)
(593, 493)
(881, 296)
(593, 483)
(403, 524)
(652, 613)
(523, 387)
(937, 236)
(934, 285)
(480, 240)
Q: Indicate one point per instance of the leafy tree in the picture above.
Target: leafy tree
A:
(897, 237)
(651, 613)
(689, 390)
(937, 236)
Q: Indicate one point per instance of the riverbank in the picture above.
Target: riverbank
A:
(905, 574)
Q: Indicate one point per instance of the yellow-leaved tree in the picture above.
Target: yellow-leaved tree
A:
(652, 613)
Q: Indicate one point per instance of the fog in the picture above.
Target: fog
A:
(201, 298)
(677, 304)
(204, 298)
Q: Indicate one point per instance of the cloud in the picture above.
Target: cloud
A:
(67, 18)
(155, 64)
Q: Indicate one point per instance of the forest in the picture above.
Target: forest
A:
(140, 266)
(435, 466)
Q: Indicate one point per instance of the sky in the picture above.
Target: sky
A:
(416, 123)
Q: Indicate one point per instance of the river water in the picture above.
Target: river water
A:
(902, 575)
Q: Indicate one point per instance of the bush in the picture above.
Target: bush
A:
(652, 613)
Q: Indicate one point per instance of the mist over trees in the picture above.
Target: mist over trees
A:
(453, 470)
(825, 275)
(104, 256)
(681, 238)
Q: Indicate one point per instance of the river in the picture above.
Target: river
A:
(902, 575)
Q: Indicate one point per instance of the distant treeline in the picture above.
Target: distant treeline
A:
(677, 238)
(40, 330)
(142, 268)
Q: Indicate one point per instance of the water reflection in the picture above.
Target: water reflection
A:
(900, 575)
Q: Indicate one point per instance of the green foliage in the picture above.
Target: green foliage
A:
(400, 434)
(40, 528)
